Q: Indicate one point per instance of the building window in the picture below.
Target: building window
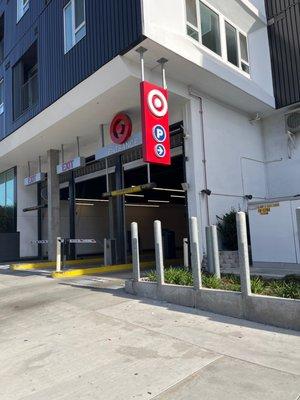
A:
(25, 82)
(1, 96)
(22, 7)
(8, 201)
(74, 23)
(210, 28)
(232, 44)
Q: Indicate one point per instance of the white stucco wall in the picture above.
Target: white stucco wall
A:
(170, 31)
(283, 172)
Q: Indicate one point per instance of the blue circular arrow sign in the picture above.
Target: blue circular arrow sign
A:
(160, 150)
(159, 133)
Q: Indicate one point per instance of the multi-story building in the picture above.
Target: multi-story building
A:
(69, 66)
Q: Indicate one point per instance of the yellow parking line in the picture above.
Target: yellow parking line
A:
(105, 269)
(52, 264)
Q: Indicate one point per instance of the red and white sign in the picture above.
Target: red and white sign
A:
(120, 128)
(155, 124)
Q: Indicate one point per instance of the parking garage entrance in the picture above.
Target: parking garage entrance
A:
(101, 217)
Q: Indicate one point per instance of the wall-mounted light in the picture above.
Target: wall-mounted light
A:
(206, 191)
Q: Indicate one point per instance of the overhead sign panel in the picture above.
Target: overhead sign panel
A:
(31, 180)
(70, 165)
(114, 149)
(155, 124)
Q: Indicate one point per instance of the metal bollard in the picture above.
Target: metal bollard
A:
(243, 253)
(58, 254)
(186, 253)
(135, 252)
(215, 251)
(195, 253)
(159, 259)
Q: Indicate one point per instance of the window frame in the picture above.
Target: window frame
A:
(74, 29)
(4, 174)
(22, 8)
(223, 39)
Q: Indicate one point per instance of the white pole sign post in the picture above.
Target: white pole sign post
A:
(70, 165)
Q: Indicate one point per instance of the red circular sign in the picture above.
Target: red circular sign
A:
(120, 128)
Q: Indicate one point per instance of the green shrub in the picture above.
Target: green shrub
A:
(288, 288)
(228, 232)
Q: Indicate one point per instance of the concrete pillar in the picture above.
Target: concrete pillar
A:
(195, 253)
(135, 252)
(243, 253)
(194, 166)
(53, 203)
(159, 259)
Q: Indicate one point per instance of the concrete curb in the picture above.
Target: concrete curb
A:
(279, 312)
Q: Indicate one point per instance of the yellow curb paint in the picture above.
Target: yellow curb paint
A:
(52, 264)
(103, 270)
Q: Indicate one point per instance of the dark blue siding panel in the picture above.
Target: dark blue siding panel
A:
(113, 26)
(284, 35)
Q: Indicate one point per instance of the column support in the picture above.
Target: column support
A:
(53, 203)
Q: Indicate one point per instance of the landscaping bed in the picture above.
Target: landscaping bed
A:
(288, 287)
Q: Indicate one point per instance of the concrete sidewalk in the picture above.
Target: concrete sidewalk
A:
(87, 339)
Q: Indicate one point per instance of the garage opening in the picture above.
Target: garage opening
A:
(99, 218)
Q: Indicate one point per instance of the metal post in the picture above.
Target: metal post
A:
(186, 253)
(162, 62)
(159, 258)
(195, 253)
(148, 173)
(215, 251)
(78, 146)
(120, 214)
(62, 154)
(72, 214)
(243, 253)
(58, 254)
(39, 220)
(141, 50)
(135, 252)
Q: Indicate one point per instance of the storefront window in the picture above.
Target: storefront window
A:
(7, 201)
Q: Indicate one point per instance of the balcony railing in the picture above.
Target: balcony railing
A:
(29, 93)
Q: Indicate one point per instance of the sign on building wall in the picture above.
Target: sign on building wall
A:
(33, 179)
(70, 165)
(120, 128)
(155, 124)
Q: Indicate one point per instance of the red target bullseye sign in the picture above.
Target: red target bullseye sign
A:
(120, 128)
(155, 124)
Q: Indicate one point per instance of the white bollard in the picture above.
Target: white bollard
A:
(135, 252)
(58, 254)
(195, 253)
(243, 253)
(186, 253)
(215, 251)
(159, 259)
